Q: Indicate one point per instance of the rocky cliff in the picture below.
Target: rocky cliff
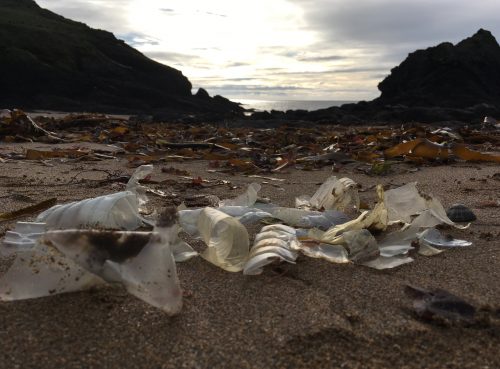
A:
(50, 62)
(447, 75)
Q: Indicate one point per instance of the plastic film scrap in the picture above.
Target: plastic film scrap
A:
(119, 210)
(272, 243)
(226, 238)
(76, 259)
(336, 194)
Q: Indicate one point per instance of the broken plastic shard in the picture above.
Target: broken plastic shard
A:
(375, 219)
(306, 218)
(115, 211)
(334, 193)
(226, 238)
(152, 275)
(403, 202)
(274, 242)
(360, 245)
(141, 261)
(246, 199)
(43, 271)
(332, 253)
(23, 237)
(383, 262)
(433, 237)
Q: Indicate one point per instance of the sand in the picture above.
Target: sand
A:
(313, 314)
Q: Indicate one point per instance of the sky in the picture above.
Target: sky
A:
(284, 49)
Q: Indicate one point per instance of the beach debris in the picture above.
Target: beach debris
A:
(119, 210)
(433, 237)
(460, 213)
(28, 210)
(227, 239)
(246, 199)
(23, 237)
(273, 243)
(19, 125)
(440, 305)
(75, 259)
(333, 194)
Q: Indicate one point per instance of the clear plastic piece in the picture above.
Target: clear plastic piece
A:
(23, 237)
(433, 237)
(226, 238)
(115, 211)
(246, 199)
(76, 259)
(333, 194)
(44, 271)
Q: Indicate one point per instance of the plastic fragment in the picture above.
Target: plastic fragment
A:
(336, 194)
(433, 237)
(246, 199)
(383, 262)
(119, 210)
(23, 237)
(44, 271)
(274, 242)
(332, 253)
(226, 238)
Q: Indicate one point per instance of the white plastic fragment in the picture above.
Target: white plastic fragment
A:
(23, 237)
(246, 199)
(226, 238)
(115, 211)
(387, 262)
(433, 237)
(334, 193)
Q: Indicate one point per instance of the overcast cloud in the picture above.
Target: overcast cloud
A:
(284, 49)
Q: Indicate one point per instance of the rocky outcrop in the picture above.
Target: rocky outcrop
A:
(447, 75)
(442, 83)
(50, 62)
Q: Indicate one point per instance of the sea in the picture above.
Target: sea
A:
(284, 105)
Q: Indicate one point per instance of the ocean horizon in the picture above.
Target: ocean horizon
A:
(284, 105)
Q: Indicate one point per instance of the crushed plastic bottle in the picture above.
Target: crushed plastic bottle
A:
(119, 210)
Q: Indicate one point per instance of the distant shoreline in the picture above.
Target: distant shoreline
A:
(284, 105)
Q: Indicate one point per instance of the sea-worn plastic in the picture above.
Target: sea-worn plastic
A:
(272, 243)
(226, 238)
(246, 199)
(76, 259)
(119, 210)
(333, 194)
(23, 237)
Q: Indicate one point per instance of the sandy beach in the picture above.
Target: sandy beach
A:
(309, 315)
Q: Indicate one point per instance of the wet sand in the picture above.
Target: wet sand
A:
(313, 314)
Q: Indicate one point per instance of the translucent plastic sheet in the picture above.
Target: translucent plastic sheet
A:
(336, 194)
(332, 253)
(44, 271)
(226, 238)
(246, 199)
(76, 259)
(115, 211)
(434, 238)
(23, 237)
